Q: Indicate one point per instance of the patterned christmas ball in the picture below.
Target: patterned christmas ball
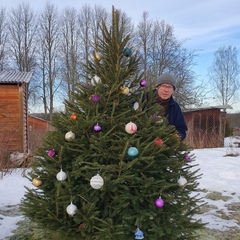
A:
(95, 80)
(69, 136)
(71, 209)
(159, 203)
(138, 234)
(37, 182)
(51, 153)
(61, 176)
(95, 98)
(131, 128)
(132, 152)
(158, 141)
(143, 83)
(182, 181)
(124, 90)
(96, 181)
(127, 52)
(97, 128)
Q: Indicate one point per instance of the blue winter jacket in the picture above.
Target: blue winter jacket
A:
(175, 117)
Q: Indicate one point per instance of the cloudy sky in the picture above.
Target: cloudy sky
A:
(206, 24)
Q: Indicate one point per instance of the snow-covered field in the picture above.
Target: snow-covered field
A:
(219, 187)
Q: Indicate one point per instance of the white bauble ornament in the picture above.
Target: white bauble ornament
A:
(71, 209)
(95, 80)
(96, 181)
(182, 181)
(61, 176)
(136, 106)
(131, 128)
(69, 136)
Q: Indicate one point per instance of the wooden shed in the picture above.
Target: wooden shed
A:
(37, 131)
(14, 111)
(206, 127)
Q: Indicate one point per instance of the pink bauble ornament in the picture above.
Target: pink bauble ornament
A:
(159, 203)
(51, 153)
(95, 98)
(97, 128)
(131, 128)
(188, 159)
(143, 83)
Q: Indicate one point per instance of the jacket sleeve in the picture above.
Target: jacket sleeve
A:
(176, 118)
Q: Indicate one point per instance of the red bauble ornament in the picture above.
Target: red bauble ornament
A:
(74, 116)
(158, 141)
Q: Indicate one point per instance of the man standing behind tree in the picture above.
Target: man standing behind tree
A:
(165, 87)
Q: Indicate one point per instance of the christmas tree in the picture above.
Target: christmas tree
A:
(113, 168)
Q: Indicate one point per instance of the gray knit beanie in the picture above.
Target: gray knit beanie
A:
(166, 78)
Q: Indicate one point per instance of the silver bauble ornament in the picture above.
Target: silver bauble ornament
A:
(71, 209)
(61, 176)
(136, 106)
(131, 128)
(182, 181)
(69, 136)
(96, 181)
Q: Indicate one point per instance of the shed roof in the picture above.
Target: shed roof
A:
(209, 108)
(15, 77)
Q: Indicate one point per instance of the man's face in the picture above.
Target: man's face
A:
(165, 91)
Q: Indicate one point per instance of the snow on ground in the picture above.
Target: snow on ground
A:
(220, 173)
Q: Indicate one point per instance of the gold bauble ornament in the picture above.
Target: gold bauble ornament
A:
(124, 90)
(37, 182)
(97, 56)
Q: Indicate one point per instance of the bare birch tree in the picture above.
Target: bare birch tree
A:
(162, 52)
(23, 28)
(49, 39)
(224, 74)
(3, 39)
(70, 48)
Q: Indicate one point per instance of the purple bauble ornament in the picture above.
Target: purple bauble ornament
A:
(51, 153)
(159, 203)
(143, 83)
(95, 98)
(188, 159)
(97, 128)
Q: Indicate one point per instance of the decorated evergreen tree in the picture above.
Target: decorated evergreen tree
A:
(113, 168)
